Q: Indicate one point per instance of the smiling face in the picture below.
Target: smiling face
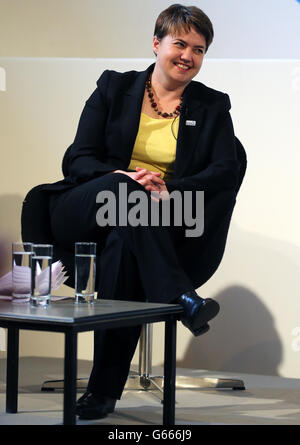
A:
(179, 57)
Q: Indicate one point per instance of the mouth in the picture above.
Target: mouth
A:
(182, 67)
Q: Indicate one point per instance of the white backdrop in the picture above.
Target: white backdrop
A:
(257, 283)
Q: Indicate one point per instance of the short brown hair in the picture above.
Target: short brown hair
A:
(178, 17)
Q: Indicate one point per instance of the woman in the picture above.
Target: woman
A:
(154, 131)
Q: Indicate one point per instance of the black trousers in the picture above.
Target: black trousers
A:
(133, 263)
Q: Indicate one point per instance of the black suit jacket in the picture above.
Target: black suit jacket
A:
(206, 155)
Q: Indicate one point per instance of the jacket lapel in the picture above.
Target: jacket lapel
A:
(191, 120)
(132, 102)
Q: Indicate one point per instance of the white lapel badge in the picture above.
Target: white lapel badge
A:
(190, 123)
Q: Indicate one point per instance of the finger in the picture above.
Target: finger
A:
(147, 177)
(151, 188)
(157, 180)
(141, 169)
(141, 173)
(148, 184)
(153, 173)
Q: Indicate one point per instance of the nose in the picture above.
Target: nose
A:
(186, 54)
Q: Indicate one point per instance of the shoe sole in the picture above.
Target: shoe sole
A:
(205, 313)
(201, 330)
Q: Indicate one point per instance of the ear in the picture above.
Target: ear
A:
(156, 43)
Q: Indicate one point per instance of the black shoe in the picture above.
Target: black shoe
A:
(91, 407)
(201, 330)
(82, 399)
(197, 312)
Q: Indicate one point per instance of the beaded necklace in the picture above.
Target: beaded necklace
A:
(164, 114)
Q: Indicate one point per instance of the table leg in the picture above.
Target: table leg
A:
(12, 370)
(169, 372)
(70, 375)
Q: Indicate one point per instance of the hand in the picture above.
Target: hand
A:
(150, 180)
(154, 184)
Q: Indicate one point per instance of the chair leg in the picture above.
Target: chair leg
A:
(145, 380)
(142, 380)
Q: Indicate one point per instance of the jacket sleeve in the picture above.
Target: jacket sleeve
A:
(222, 169)
(86, 157)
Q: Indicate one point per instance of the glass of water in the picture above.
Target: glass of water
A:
(21, 270)
(41, 264)
(85, 272)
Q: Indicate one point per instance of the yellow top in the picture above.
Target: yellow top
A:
(155, 145)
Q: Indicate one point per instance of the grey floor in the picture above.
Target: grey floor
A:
(266, 400)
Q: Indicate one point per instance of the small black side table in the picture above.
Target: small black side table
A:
(70, 318)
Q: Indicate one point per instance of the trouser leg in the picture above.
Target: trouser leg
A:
(124, 275)
(113, 352)
(114, 348)
(161, 275)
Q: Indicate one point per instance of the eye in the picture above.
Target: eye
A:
(199, 51)
(180, 44)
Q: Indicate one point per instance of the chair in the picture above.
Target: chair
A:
(38, 230)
